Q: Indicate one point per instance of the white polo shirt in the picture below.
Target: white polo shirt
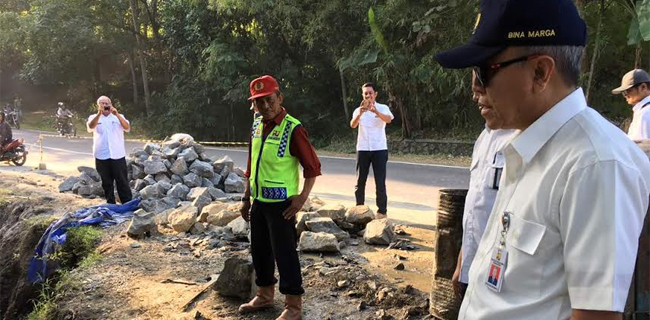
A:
(640, 126)
(372, 130)
(485, 173)
(576, 189)
(108, 137)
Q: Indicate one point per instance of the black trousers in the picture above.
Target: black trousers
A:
(273, 241)
(378, 159)
(114, 170)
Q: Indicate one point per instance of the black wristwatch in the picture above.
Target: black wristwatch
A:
(247, 199)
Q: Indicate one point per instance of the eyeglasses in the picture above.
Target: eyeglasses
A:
(629, 91)
(486, 72)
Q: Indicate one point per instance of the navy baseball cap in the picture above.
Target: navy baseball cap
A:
(504, 23)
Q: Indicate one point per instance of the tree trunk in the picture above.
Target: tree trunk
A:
(143, 62)
(637, 59)
(345, 96)
(134, 79)
(594, 53)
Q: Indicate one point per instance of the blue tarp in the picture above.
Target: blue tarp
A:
(104, 215)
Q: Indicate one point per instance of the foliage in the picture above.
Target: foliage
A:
(201, 54)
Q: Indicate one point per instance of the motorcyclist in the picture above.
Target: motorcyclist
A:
(5, 131)
(62, 116)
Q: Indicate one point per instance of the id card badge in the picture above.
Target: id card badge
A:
(497, 269)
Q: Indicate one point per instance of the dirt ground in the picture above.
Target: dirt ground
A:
(132, 280)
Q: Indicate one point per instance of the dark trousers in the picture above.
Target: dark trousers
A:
(274, 240)
(378, 159)
(114, 170)
(463, 290)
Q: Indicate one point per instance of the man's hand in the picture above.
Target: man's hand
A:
(296, 204)
(113, 111)
(245, 210)
(455, 281)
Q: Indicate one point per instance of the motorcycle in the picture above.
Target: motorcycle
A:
(15, 152)
(13, 118)
(65, 125)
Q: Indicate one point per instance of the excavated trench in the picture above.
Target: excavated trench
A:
(22, 224)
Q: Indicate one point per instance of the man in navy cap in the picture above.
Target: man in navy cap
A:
(565, 225)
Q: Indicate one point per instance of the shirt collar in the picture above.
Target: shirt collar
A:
(641, 103)
(278, 119)
(528, 142)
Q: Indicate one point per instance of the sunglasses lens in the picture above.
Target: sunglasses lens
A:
(480, 76)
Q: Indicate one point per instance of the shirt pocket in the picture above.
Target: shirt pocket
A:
(526, 260)
(495, 171)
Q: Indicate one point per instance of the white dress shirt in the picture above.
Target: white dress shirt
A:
(108, 137)
(640, 126)
(372, 130)
(576, 190)
(485, 173)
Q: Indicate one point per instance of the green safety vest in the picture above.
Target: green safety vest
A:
(274, 175)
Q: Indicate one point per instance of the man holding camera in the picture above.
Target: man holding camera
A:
(108, 127)
(371, 118)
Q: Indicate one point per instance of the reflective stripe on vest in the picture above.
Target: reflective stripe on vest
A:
(274, 171)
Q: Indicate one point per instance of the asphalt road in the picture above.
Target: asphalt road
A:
(412, 188)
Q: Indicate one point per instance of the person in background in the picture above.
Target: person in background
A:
(635, 88)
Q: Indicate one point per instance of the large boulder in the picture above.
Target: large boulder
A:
(207, 183)
(217, 194)
(359, 215)
(91, 172)
(198, 148)
(192, 180)
(216, 179)
(302, 218)
(179, 191)
(236, 279)
(176, 179)
(154, 191)
(211, 210)
(335, 212)
(155, 205)
(379, 232)
(183, 218)
(316, 203)
(234, 184)
(138, 152)
(189, 155)
(197, 192)
(68, 183)
(162, 177)
(87, 179)
(170, 202)
(149, 179)
(164, 185)
(326, 225)
(170, 153)
(201, 201)
(239, 228)
(203, 169)
(150, 147)
(93, 189)
(139, 184)
(318, 242)
(143, 224)
(137, 172)
(179, 167)
(224, 162)
(154, 167)
(223, 217)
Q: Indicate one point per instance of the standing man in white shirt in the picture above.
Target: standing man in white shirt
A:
(485, 175)
(371, 117)
(635, 87)
(562, 239)
(108, 127)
